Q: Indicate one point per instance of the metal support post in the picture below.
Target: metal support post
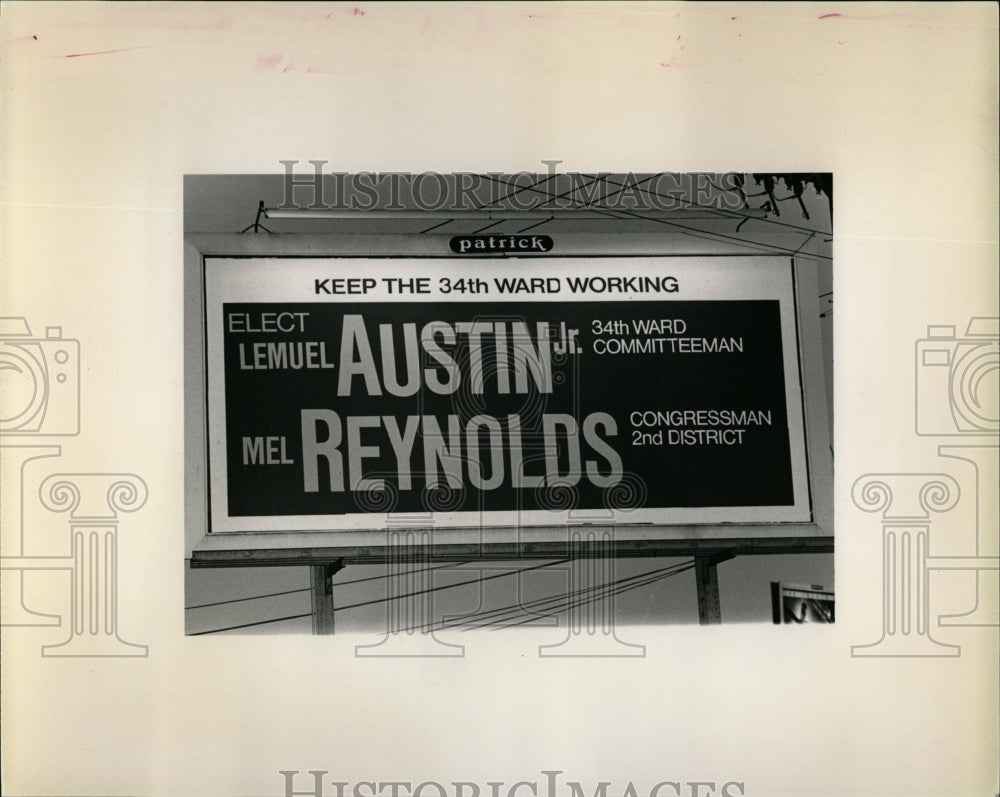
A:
(707, 582)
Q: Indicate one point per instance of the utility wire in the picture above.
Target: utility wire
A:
(518, 189)
(390, 574)
(616, 590)
(497, 615)
(694, 232)
(382, 600)
(594, 180)
(735, 214)
(251, 598)
(725, 212)
(710, 235)
(336, 584)
(248, 625)
(484, 205)
(593, 594)
(449, 586)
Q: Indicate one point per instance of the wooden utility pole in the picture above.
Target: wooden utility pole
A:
(322, 595)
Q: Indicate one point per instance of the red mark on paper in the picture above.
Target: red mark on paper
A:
(358, 12)
(831, 16)
(265, 62)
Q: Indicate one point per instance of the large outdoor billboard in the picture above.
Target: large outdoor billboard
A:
(502, 392)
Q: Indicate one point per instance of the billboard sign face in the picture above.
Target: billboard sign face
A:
(502, 392)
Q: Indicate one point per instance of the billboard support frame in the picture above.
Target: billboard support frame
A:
(316, 549)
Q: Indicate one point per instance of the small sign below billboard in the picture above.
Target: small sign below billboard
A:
(801, 603)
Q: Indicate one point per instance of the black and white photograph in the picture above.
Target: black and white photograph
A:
(490, 401)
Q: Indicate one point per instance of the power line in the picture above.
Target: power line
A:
(694, 232)
(617, 588)
(248, 625)
(572, 599)
(448, 586)
(337, 584)
(251, 598)
(549, 197)
(708, 235)
(517, 189)
(407, 573)
(602, 591)
(729, 213)
(496, 615)
(724, 212)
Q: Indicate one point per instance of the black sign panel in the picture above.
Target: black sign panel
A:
(495, 407)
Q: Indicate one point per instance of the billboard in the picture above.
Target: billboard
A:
(502, 392)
